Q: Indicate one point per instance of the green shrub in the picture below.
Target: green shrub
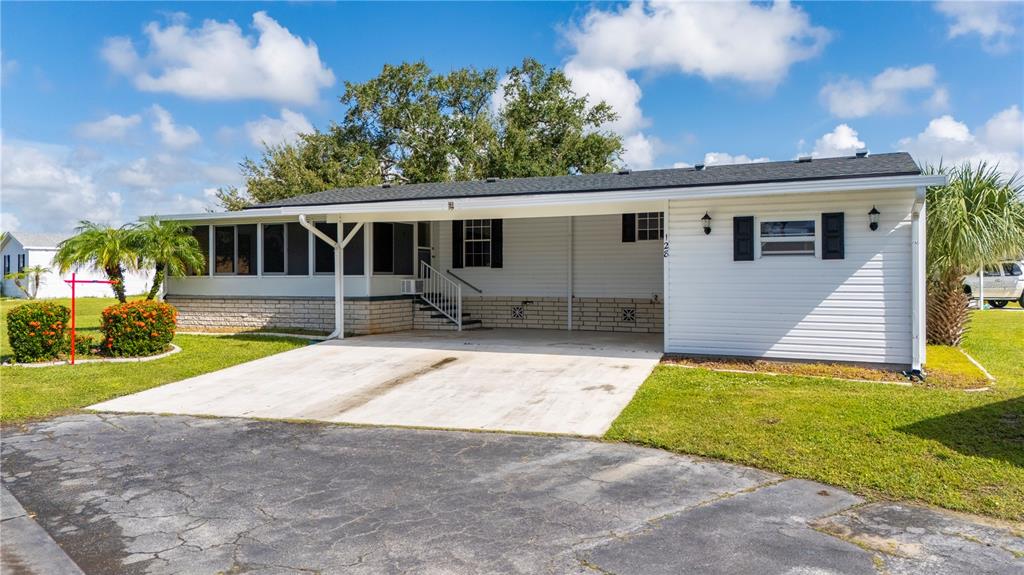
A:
(84, 344)
(138, 328)
(36, 331)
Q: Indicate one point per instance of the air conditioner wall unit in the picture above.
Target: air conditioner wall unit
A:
(412, 287)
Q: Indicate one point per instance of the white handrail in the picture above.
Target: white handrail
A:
(442, 293)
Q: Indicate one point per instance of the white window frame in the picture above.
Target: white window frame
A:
(813, 238)
(257, 260)
(647, 217)
(466, 241)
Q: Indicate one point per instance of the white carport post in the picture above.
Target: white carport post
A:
(918, 295)
(339, 270)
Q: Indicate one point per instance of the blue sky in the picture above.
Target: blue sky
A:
(115, 110)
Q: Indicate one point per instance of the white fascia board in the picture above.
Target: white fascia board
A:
(560, 204)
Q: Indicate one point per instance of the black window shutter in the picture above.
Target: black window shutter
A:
(628, 227)
(497, 247)
(456, 244)
(743, 238)
(833, 237)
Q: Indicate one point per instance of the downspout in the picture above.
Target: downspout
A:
(339, 271)
(917, 290)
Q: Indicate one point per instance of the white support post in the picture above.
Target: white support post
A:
(569, 282)
(917, 279)
(339, 269)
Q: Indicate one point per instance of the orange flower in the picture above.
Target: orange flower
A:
(31, 334)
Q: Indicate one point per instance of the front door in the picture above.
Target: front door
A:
(422, 255)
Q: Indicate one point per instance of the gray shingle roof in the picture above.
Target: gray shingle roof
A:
(895, 164)
(39, 240)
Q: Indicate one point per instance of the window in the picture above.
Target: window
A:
(21, 262)
(1011, 269)
(650, 226)
(224, 249)
(202, 235)
(793, 237)
(246, 240)
(992, 271)
(7, 264)
(477, 243)
(273, 248)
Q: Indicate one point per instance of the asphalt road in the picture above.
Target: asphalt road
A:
(178, 494)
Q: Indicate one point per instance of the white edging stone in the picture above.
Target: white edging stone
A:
(174, 349)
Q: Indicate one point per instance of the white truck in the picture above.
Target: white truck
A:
(1002, 283)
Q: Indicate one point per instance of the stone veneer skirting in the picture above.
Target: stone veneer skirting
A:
(389, 314)
(588, 314)
(362, 316)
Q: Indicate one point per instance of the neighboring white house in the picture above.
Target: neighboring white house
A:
(817, 259)
(24, 249)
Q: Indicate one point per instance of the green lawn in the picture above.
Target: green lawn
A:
(35, 392)
(963, 451)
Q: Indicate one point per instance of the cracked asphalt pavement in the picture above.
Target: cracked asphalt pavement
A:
(176, 494)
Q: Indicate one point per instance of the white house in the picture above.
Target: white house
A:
(24, 249)
(817, 259)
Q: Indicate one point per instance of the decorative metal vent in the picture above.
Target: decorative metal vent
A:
(518, 312)
(629, 314)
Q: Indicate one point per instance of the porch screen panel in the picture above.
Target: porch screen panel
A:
(354, 251)
(403, 249)
(298, 250)
(383, 247)
(202, 235)
(247, 250)
(324, 253)
(224, 249)
(273, 249)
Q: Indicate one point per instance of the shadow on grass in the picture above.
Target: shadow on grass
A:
(993, 431)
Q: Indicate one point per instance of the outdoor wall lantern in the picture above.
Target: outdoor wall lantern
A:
(873, 218)
(706, 222)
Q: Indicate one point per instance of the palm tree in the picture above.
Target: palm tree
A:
(976, 219)
(34, 276)
(112, 250)
(170, 247)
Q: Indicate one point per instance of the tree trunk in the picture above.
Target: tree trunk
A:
(158, 280)
(948, 313)
(116, 274)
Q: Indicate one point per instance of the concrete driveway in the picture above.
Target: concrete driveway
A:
(148, 494)
(502, 379)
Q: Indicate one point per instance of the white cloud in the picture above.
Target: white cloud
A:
(723, 158)
(1000, 140)
(992, 21)
(273, 131)
(42, 192)
(113, 127)
(218, 61)
(745, 42)
(842, 141)
(171, 134)
(885, 93)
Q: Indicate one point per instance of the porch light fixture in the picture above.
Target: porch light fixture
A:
(706, 223)
(873, 218)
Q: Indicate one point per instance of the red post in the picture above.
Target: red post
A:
(73, 282)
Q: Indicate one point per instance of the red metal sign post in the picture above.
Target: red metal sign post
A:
(74, 282)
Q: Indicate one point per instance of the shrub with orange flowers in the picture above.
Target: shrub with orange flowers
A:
(138, 328)
(36, 331)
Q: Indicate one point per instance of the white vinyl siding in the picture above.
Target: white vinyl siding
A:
(605, 266)
(802, 307)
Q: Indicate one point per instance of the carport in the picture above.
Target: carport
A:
(526, 380)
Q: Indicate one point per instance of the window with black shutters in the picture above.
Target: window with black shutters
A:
(297, 249)
(476, 243)
(650, 226)
(273, 248)
(787, 237)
